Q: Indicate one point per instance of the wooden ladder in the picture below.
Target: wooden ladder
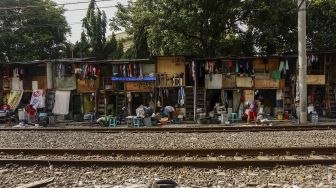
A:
(101, 103)
(331, 101)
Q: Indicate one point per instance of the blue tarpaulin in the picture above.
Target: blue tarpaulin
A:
(146, 78)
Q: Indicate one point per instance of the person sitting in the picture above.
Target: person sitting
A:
(167, 111)
(253, 111)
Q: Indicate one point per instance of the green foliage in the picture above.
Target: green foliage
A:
(31, 33)
(273, 25)
(223, 27)
(94, 25)
(172, 27)
(93, 42)
(114, 49)
(321, 25)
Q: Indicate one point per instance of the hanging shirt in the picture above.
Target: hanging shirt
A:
(193, 71)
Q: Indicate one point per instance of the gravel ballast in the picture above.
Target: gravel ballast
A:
(166, 140)
(312, 176)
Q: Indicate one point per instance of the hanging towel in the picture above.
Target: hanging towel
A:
(282, 66)
(62, 101)
(141, 74)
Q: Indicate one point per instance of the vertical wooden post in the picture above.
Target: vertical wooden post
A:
(49, 71)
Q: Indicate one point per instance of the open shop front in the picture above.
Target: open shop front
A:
(270, 87)
(140, 95)
(317, 96)
(63, 101)
(24, 87)
(228, 85)
(88, 83)
(133, 90)
(170, 89)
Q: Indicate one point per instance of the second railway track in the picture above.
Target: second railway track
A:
(198, 129)
(208, 158)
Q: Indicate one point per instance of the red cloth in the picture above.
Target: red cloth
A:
(229, 63)
(30, 110)
(252, 115)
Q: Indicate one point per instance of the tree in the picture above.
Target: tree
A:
(82, 48)
(223, 27)
(321, 26)
(273, 25)
(113, 49)
(190, 27)
(36, 32)
(94, 29)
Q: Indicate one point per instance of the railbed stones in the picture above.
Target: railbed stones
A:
(165, 140)
(308, 176)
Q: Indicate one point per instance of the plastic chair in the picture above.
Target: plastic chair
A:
(176, 121)
(92, 117)
(137, 122)
(113, 122)
(234, 117)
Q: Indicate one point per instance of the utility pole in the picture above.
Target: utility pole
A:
(302, 61)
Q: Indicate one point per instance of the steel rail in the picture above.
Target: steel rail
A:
(151, 163)
(201, 152)
(183, 129)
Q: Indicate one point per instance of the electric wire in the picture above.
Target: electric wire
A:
(60, 4)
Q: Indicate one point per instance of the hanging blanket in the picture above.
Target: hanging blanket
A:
(14, 98)
(62, 101)
(38, 99)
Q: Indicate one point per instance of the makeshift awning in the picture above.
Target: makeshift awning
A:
(134, 79)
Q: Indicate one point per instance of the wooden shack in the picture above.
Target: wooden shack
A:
(172, 87)
(130, 84)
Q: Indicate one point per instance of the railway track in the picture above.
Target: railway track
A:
(199, 129)
(206, 158)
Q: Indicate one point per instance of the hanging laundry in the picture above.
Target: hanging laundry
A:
(237, 68)
(282, 66)
(181, 96)
(286, 65)
(5, 73)
(210, 67)
(229, 63)
(38, 99)
(140, 71)
(121, 70)
(193, 70)
(114, 71)
(124, 71)
(62, 101)
(135, 70)
(130, 70)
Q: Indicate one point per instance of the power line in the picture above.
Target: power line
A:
(70, 10)
(38, 6)
(87, 8)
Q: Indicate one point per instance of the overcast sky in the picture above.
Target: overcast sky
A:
(74, 17)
